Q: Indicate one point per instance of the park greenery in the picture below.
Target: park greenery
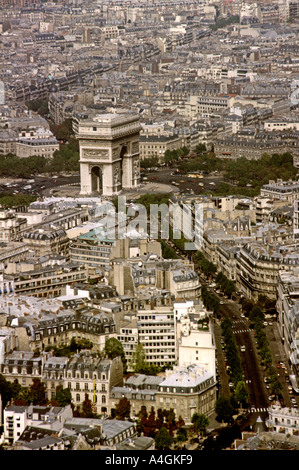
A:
(16, 200)
(242, 176)
(39, 106)
(66, 159)
(223, 22)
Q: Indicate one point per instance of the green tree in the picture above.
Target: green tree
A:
(181, 436)
(63, 396)
(163, 440)
(241, 393)
(150, 162)
(63, 131)
(256, 314)
(139, 363)
(200, 423)
(37, 393)
(39, 105)
(276, 387)
(114, 348)
(87, 408)
(224, 409)
(122, 409)
(5, 390)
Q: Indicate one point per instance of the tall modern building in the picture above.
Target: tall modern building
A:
(109, 153)
(157, 334)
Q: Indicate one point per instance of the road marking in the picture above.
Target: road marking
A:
(258, 410)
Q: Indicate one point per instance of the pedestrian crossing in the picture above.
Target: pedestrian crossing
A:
(237, 327)
(247, 330)
(253, 409)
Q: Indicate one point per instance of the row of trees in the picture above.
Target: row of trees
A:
(207, 267)
(172, 157)
(227, 286)
(35, 394)
(232, 352)
(241, 176)
(210, 301)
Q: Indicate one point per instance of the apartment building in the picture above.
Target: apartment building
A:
(22, 366)
(140, 390)
(8, 140)
(287, 319)
(39, 142)
(227, 256)
(157, 145)
(208, 105)
(92, 249)
(157, 334)
(11, 226)
(53, 375)
(283, 420)
(236, 147)
(128, 336)
(184, 283)
(50, 281)
(188, 390)
(83, 324)
(47, 241)
(258, 267)
(17, 418)
(283, 190)
(197, 346)
(89, 375)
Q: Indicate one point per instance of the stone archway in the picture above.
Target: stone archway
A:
(96, 179)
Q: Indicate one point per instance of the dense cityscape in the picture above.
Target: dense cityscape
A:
(149, 226)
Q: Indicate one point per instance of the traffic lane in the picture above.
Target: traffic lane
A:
(249, 360)
(278, 356)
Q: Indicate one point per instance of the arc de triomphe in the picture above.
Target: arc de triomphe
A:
(109, 153)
